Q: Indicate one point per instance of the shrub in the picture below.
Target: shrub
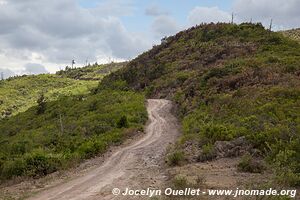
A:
(91, 148)
(248, 164)
(208, 153)
(180, 182)
(39, 163)
(123, 122)
(175, 158)
(41, 107)
(287, 167)
(218, 132)
(12, 168)
(20, 147)
(93, 105)
(288, 177)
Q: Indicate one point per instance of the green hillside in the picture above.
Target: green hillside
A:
(20, 93)
(59, 134)
(52, 122)
(293, 34)
(91, 72)
(228, 81)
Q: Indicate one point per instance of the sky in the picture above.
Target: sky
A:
(41, 36)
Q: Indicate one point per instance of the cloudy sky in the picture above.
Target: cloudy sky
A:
(39, 36)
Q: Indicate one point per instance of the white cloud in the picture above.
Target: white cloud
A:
(164, 26)
(122, 43)
(5, 73)
(163, 23)
(2, 2)
(285, 13)
(114, 8)
(34, 68)
(155, 10)
(57, 31)
(207, 14)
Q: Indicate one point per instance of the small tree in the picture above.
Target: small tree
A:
(41, 104)
(123, 122)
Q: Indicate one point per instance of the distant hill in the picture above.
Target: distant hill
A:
(20, 93)
(52, 122)
(293, 34)
(91, 72)
(228, 81)
(17, 94)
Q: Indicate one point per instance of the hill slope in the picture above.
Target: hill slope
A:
(17, 94)
(91, 72)
(64, 132)
(55, 121)
(293, 34)
(229, 81)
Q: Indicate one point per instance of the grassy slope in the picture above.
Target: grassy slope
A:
(228, 81)
(74, 123)
(70, 129)
(91, 72)
(293, 34)
(20, 93)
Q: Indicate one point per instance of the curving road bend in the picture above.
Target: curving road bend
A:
(137, 166)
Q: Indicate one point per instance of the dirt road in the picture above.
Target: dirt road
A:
(137, 166)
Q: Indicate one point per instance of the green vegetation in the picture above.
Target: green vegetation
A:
(123, 122)
(293, 34)
(17, 94)
(58, 134)
(228, 81)
(175, 158)
(52, 122)
(248, 164)
(20, 93)
(41, 107)
(91, 72)
(208, 153)
(180, 182)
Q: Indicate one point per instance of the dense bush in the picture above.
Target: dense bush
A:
(20, 93)
(67, 131)
(287, 167)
